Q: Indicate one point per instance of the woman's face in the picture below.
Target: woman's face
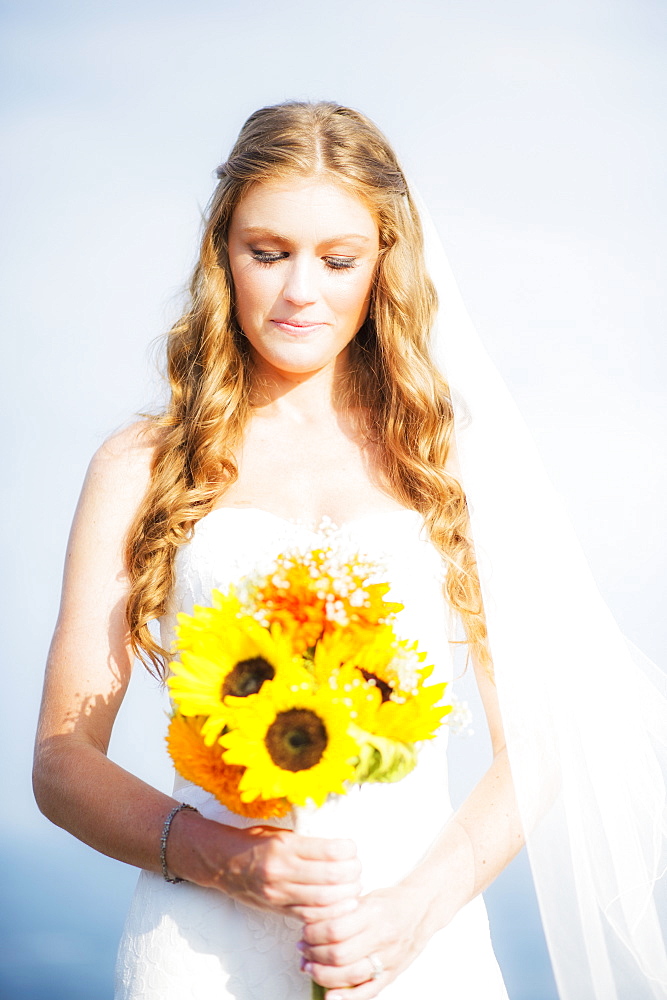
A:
(302, 252)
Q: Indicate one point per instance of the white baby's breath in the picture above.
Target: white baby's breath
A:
(459, 719)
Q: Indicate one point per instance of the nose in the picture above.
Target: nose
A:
(300, 286)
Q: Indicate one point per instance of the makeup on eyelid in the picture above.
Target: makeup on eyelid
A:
(334, 263)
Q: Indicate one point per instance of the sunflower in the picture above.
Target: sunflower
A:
(220, 655)
(393, 664)
(204, 766)
(384, 683)
(293, 740)
(417, 718)
(374, 649)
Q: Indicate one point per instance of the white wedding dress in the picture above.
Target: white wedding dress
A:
(183, 942)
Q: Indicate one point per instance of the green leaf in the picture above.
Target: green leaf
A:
(381, 759)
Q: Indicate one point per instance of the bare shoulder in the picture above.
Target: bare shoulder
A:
(120, 469)
(128, 452)
(116, 482)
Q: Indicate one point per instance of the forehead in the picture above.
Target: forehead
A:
(312, 206)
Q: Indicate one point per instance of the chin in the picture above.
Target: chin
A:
(301, 363)
(309, 367)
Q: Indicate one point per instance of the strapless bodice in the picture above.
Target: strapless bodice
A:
(231, 542)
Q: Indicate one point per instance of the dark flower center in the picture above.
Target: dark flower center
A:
(386, 690)
(296, 739)
(247, 677)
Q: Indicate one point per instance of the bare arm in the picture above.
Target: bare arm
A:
(88, 672)
(89, 668)
(481, 838)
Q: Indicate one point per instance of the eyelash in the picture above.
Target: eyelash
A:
(266, 259)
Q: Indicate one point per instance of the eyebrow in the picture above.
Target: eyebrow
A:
(268, 234)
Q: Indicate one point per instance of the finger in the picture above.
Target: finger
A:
(316, 896)
(339, 955)
(352, 951)
(325, 872)
(324, 848)
(347, 976)
(317, 848)
(330, 928)
(323, 914)
(364, 991)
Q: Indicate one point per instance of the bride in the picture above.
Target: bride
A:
(304, 388)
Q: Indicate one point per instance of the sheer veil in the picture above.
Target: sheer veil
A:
(585, 713)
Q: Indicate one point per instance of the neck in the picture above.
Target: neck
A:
(305, 395)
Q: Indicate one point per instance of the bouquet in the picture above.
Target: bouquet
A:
(293, 685)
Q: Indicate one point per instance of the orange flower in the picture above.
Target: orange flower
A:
(318, 594)
(287, 598)
(205, 767)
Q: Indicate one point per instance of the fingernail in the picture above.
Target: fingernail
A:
(334, 996)
(301, 946)
(308, 967)
(302, 964)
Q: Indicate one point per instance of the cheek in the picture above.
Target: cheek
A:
(354, 300)
(253, 293)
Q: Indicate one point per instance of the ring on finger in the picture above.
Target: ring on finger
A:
(377, 965)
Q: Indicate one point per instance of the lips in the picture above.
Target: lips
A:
(299, 322)
(297, 326)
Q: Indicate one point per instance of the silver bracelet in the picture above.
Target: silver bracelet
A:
(163, 840)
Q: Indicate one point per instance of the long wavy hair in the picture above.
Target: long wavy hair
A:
(391, 380)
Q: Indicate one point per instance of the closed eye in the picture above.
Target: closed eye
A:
(273, 256)
(340, 263)
(269, 257)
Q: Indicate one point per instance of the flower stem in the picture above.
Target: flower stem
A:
(317, 992)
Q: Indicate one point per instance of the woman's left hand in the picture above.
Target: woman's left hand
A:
(387, 925)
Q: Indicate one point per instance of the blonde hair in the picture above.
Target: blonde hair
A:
(392, 379)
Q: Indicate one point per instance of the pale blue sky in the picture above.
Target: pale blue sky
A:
(536, 132)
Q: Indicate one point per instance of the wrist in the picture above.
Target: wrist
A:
(207, 853)
(184, 855)
(166, 829)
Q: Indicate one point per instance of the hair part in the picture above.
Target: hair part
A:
(392, 378)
